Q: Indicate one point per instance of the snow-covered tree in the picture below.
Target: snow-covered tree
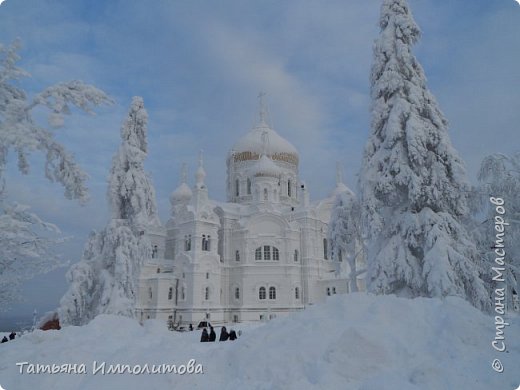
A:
(25, 247)
(499, 177)
(105, 280)
(413, 183)
(345, 235)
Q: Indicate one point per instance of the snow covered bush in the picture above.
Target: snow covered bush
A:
(105, 280)
(413, 183)
(345, 235)
(25, 245)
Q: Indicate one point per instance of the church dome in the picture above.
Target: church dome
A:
(182, 194)
(265, 167)
(252, 145)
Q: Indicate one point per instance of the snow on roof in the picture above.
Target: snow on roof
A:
(182, 193)
(253, 142)
(265, 167)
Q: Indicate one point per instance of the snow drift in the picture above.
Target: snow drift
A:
(357, 341)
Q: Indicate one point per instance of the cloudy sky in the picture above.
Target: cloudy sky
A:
(199, 66)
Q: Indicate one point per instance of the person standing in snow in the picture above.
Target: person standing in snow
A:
(204, 338)
(212, 334)
(4, 340)
(191, 327)
(232, 335)
(223, 334)
(12, 336)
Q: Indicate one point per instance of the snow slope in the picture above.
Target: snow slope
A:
(356, 341)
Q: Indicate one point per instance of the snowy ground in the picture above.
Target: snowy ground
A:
(351, 342)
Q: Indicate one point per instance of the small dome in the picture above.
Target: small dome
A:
(340, 189)
(252, 145)
(181, 195)
(265, 167)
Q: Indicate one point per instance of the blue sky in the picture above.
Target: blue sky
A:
(199, 66)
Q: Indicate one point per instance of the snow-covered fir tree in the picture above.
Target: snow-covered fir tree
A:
(345, 235)
(499, 177)
(413, 183)
(26, 248)
(105, 280)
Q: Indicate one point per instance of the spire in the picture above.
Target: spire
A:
(339, 173)
(265, 142)
(201, 174)
(184, 173)
(262, 108)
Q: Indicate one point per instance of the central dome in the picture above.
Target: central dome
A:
(252, 145)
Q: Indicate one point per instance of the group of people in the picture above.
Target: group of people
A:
(212, 336)
(11, 337)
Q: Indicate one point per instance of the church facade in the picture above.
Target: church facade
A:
(261, 254)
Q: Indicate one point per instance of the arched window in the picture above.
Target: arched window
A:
(272, 293)
(328, 291)
(258, 253)
(296, 255)
(267, 252)
(276, 254)
(183, 293)
(170, 293)
(187, 242)
(296, 293)
(207, 275)
(237, 255)
(340, 255)
(325, 251)
(266, 197)
(289, 188)
(206, 294)
(237, 293)
(237, 187)
(155, 249)
(333, 290)
(150, 294)
(205, 242)
(248, 186)
(261, 293)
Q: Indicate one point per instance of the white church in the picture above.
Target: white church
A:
(261, 254)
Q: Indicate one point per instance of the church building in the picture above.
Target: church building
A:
(261, 254)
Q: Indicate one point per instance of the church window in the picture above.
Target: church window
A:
(296, 255)
(187, 243)
(207, 275)
(276, 254)
(150, 294)
(267, 252)
(266, 197)
(206, 294)
(333, 290)
(272, 293)
(158, 270)
(261, 293)
(248, 186)
(237, 293)
(289, 188)
(328, 291)
(205, 242)
(183, 293)
(208, 316)
(340, 255)
(297, 293)
(237, 187)
(325, 254)
(258, 253)
(155, 249)
(170, 293)
(237, 255)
